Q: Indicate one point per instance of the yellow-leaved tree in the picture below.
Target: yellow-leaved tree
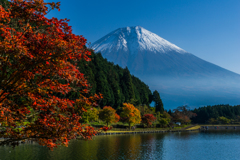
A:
(130, 114)
(108, 115)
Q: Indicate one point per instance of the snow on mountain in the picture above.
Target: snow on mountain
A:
(144, 53)
(180, 77)
(134, 39)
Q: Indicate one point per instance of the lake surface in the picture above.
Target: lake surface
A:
(219, 145)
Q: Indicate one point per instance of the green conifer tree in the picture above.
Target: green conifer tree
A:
(127, 84)
(158, 102)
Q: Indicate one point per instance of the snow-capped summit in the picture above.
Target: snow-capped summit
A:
(133, 40)
(136, 47)
(180, 77)
(144, 53)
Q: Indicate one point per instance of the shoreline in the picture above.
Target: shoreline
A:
(187, 129)
(220, 127)
(191, 129)
(137, 132)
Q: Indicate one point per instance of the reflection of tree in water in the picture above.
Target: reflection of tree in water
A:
(152, 147)
(109, 147)
(77, 149)
(23, 151)
(134, 146)
(120, 147)
(85, 150)
(140, 146)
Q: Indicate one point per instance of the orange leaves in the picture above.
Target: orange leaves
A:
(35, 67)
(117, 118)
(130, 114)
(4, 15)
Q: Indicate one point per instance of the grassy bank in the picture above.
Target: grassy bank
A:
(140, 130)
(194, 127)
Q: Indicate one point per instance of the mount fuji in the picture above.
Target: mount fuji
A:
(180, 77)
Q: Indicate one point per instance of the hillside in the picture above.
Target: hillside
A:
(181, 77)
(115, 83)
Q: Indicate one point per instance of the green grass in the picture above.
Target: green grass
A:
(126, 130)
(123, 130)
(194, 128)
(182, 126)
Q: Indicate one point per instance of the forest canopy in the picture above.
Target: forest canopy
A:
(116, 84)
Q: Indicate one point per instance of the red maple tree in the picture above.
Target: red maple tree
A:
(38, 61)
(148, 119)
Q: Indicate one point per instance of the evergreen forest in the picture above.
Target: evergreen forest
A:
(116, 84)
(215, 114)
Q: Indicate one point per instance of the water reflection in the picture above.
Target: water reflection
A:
(186, 145)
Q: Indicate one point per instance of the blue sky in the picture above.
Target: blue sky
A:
(209, 29)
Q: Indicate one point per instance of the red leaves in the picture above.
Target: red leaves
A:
(148, 119)
(105, 128)
(183, 114)
(34, 68)
(88, 132)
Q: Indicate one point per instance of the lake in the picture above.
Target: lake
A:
(208, 145)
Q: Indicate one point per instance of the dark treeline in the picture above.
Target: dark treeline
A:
(216, 113)
(116, 84)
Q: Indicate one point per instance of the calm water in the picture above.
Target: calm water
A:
(170, 146)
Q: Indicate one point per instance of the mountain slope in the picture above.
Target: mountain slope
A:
(133, 39)
(168, 68)
(116, 84)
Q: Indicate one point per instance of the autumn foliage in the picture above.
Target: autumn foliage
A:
(105, 128)
(148, 119)
(37, 61)
(108, 115)
(130, 114)
(183, 114)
